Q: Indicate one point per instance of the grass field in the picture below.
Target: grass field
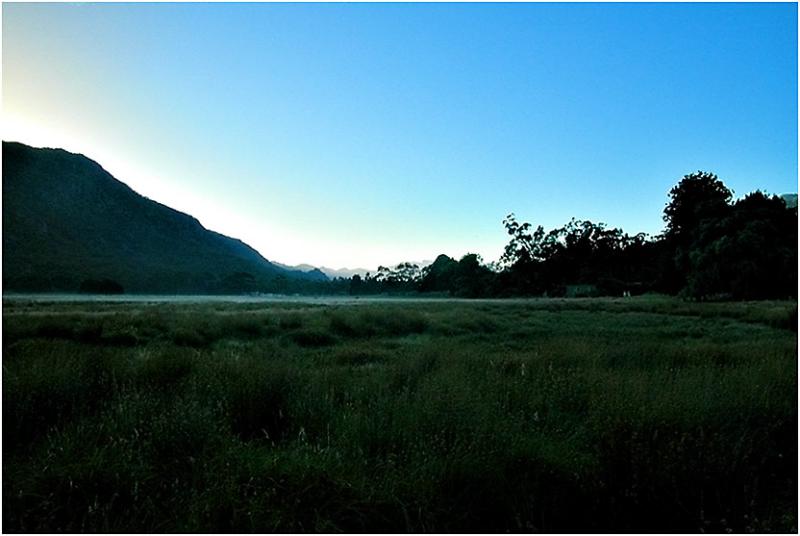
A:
(644, 414)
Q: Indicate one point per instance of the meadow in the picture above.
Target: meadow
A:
(644, 414)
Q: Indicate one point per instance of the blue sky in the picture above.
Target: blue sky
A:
(366, 134)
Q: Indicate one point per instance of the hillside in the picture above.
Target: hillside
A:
(67, 220)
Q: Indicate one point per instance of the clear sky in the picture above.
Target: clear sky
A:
(365, 134)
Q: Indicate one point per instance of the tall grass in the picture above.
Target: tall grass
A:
(573, 415)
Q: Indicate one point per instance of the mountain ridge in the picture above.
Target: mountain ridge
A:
(331, 273)
(66, 220)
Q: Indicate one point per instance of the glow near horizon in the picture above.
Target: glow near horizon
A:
(351, 135)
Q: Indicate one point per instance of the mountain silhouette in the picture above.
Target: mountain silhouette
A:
(67, 221)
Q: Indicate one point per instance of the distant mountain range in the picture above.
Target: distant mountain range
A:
(332, 273)
(345, 273)
(67, 221)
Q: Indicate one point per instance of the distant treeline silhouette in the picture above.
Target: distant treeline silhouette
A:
(711, 248)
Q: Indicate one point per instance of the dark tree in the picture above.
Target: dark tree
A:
(581, 253)
(694, 204)
(525, 245)
(439, 276)
(472, 278)
(696, 197)
(356, 285)
(749, 254)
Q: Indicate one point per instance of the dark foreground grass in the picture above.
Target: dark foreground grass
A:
(645, 415)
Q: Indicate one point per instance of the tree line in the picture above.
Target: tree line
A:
(711, 248)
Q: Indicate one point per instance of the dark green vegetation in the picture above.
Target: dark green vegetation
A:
(67, 223)
(644, 414)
